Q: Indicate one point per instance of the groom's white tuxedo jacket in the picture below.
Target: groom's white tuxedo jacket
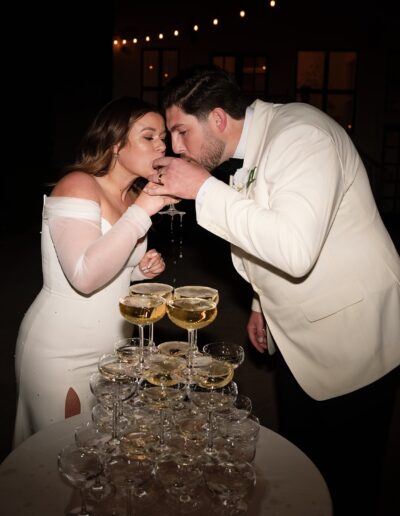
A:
(307, 235)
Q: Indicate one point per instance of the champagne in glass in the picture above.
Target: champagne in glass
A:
(164, 370)
(197, 291)
(191, 313)
(214, 375)
(174, 348)
(159, 393)
(141, 310)
(203, 292)
(129, 351)
(155, 289)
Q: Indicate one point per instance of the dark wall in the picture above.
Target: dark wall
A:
(61, 62)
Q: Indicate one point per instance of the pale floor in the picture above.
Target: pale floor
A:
(206, 261)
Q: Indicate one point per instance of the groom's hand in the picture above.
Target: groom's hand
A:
(176, 177)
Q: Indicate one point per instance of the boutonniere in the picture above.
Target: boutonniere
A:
(252, 177)
(242, 179)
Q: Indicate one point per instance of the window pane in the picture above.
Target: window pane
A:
(310, 69)
(315, 99)
(150, 68)
(170, 65)
(249, 64)
(230, 64)
(342, 70)
(259, 83)
(340, 107)
(227, 63)
(261, 65)
(218, 61)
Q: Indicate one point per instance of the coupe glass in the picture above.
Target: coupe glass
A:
(130, 351)
(164, 389)
(212, 393)
(158, 289)
(191, 313)
(197, 291)
(230, 483)
(130, 474)
(174, 348)
(172, 211)
(241, 409)
(79, 466)
(227, 351)
(115, 384)
(142, 310)
(87, 435)
(180, 475)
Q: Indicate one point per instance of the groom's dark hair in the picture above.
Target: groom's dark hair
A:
(199, 89)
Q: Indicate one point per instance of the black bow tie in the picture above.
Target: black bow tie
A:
(230, 166)
(235, 163)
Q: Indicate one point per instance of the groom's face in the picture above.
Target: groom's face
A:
(193, 139)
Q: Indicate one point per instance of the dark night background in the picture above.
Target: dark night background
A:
(58, 71)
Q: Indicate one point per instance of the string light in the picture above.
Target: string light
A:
(117, 41)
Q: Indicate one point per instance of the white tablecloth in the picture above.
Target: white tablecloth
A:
(288, 483)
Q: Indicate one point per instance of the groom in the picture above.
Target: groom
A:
(306, 233)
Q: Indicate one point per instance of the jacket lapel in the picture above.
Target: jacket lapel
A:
(255, 145)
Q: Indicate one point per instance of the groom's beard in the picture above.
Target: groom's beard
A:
(211, 153)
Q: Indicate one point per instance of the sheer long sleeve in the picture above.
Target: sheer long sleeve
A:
(89, 258)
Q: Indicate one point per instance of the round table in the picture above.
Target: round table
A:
(288, 483)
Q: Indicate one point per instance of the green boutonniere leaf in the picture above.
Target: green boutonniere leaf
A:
(252, 177)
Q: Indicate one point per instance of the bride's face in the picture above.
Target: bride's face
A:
(146, 142)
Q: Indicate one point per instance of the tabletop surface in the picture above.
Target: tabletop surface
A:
(288, 483)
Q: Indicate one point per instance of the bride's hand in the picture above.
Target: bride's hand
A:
(152, 204)
(152, 264)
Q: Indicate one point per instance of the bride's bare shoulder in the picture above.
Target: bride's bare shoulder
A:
(77, 184)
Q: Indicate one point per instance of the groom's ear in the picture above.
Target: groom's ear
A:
(219, 119)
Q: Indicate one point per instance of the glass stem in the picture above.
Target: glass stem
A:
(129, 508)
(162, 423)
(195, 347)
(151, 335)
(141, 345)
(84, 511)
(210, 444)
(191, 341)
(115, 419)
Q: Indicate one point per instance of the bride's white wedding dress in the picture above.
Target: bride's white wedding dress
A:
(87, 266)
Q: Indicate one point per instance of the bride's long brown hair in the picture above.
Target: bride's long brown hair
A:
(110, 127)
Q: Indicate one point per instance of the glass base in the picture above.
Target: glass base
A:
(100, 491)
(77, 511)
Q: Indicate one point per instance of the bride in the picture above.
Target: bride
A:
(93, 245)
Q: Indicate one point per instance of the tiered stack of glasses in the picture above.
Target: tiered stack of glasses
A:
(169, 425)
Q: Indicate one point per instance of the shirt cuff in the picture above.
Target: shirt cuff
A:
(203, 191)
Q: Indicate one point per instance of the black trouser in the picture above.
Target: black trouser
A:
(345, 437)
